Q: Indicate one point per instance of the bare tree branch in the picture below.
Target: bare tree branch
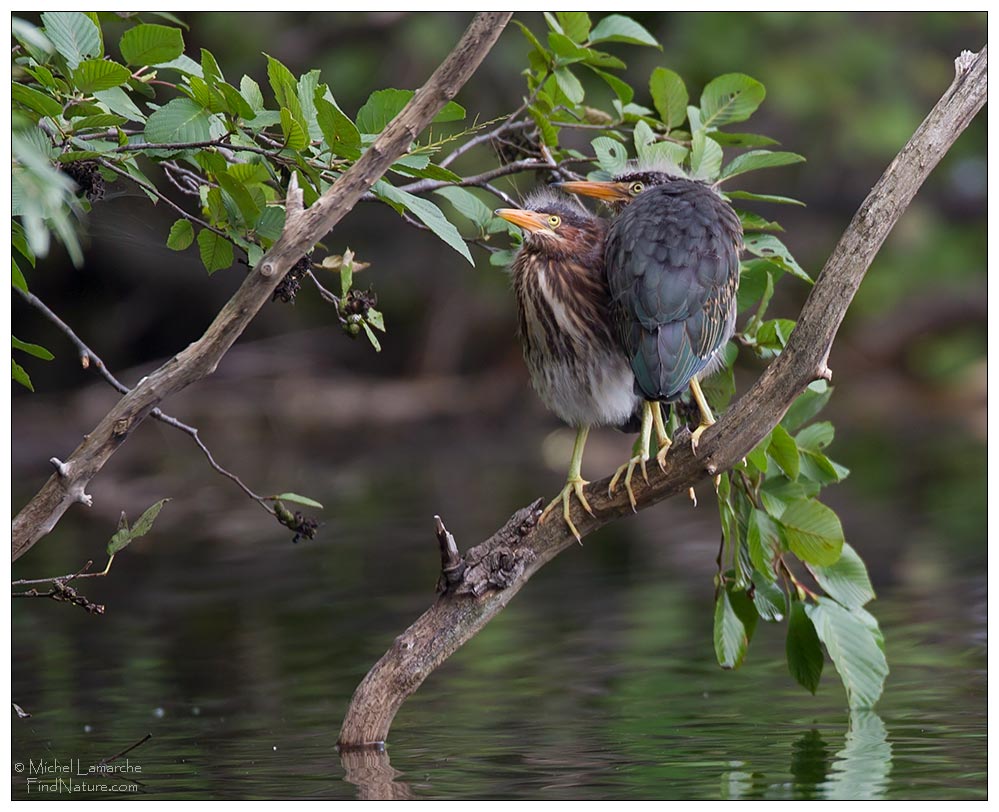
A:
(303, 228)
(495, 570)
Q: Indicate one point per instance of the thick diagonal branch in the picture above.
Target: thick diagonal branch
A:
(303, 228)
(497, 569)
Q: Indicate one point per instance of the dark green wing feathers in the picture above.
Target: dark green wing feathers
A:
(673, 272)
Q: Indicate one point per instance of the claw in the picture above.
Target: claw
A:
(692, 495)
(663, 451)
(695, 438)
(628, 469)
(572, 486)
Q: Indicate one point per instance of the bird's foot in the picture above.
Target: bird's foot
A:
(664, 446)
(572, 486)
(628, 469)
(695, 438)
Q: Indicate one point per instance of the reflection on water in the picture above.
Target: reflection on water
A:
(239, 651)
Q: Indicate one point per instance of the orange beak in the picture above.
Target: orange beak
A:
(528, 220)
(607, 190)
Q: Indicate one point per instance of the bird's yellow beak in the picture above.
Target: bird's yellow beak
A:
(528, 220)
(607, 190)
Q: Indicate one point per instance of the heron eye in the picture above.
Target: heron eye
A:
(554, 220)
(637, 188)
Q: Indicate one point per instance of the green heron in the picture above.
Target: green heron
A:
(672, 260)
(571, 344)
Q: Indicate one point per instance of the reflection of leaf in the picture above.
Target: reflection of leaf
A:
(862, 767)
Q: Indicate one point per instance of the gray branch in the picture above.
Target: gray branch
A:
(497, 569)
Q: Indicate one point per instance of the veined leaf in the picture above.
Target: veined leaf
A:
(855, 647)
(847, 580)
(428, 213)
(669, 95)
(784, 452)
(812, 531)
(804, 653)
(618, 28)
(179, 121)
(151, 44)
(100, 74)
(729, 98)
(32, 349)
(74, 35)
(181, 235)
(730, 638)
(759, 159)
(216, 251)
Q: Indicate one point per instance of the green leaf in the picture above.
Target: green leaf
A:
(74, 35)
(117, 101)
(729, 98)
(371, 336)
(621, 89)
(216, 252)
(758, 456)
(855, 649)
(182, 64)
(125, 535)
(181, 235)
(375, 319)
(338, 131)
(210, 69)
(769, 599)
(35, 43)
(295, 136)
(742, 139)
(99, 122)
(16, 277)
(151, 44)
(759, 159)
(769, 247)
(18, 374)
(35, 100)
(271, 223)
(617, 28)
(669, 95)
(575, 24)
(804, 653)
(179, 121)
(763, 542)
(784, 452)
(815, 437)
(763, 198)
(847, 580)
(569, 85)
(250, 91)
(100, 74)
(705, 157)
(808, 404)
(32, 349)
(284, 85)
(612, 156)
(235, 102)
(248, 208)
(812, 531)
(730, 638)
(467, 204)
(380, 108)
(298, 499)
(428, 213)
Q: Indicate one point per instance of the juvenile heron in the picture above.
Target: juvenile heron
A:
(571, 346)
(672, 259)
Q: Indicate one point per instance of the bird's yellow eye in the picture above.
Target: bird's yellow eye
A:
(636, 188)
(554, 221)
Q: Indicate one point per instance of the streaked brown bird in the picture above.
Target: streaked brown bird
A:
(672, 264)
(571, 343)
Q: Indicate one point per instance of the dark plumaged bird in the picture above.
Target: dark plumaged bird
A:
(672, 263)
(571, 343)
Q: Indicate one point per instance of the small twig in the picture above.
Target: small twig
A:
(89, 358)
(452, 564)
(139, 743)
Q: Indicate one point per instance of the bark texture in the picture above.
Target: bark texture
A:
(495, 570)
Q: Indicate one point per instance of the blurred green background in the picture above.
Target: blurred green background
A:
(226, 641)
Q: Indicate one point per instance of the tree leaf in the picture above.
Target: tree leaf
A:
(467, 204)
(847, 580)
(763, 542)
(816, 437)
(339, 132)
(428, 213)
(74, 35)
(812, 531)
(759, 159)
(125, 535)
(216, 252)
(117, 101)
(804, 652)
(18, 374)
(100, 74)
(617, 28)
(729, 98)
(179, 121)
(730, 636)
(35, 100)
(569, 85)
(181, 235)
(669, 95)
(763, 198)
(151, 44)
(295, 136)
(575, 24)
(771, 248)
(808, 404)
(855, 647)
(32, 349)
(705, 157)
(298, 499)
(612, 156)
(769, 599)
(784, 452)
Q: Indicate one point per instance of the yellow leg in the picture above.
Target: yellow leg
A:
(661, 435)
(707, 418)
(574, 483)
(640, 457)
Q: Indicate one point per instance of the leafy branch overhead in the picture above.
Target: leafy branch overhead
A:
(87, 112)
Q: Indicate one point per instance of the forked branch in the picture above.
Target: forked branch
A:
(495, 570)
(303, 228)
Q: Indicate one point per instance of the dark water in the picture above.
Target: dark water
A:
(238, 651)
